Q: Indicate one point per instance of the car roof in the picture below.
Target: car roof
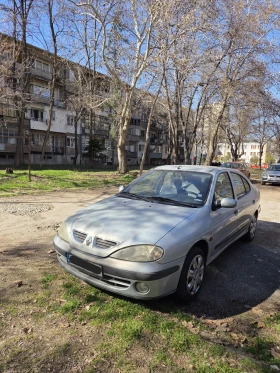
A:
(196, 168)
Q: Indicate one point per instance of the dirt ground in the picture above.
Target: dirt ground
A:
(29, 224)
(244, 279)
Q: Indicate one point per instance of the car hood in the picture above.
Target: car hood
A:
(118, 222)
(272, 173)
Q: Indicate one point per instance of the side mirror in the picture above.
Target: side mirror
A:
(225, 202)
(121, 188)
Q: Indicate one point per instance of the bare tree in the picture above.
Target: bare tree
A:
(18, 14)
(242, 40)
(130, 24)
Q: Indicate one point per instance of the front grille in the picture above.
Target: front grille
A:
(79, 236)
(116, 282)
(104, 244)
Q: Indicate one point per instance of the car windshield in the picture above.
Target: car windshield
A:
(274, 167)
(231, 165)
(186, 188)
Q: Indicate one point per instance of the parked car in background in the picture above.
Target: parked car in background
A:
(271, 174)
(240, 166)
(156, 235)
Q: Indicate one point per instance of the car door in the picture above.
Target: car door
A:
(224, 220)
(245, 201)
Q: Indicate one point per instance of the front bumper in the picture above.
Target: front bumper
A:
(271, 179)
(119, 276)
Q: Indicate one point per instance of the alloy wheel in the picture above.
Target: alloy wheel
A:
(195, 274)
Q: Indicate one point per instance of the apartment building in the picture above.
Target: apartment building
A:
(251, 149)
(65, 129)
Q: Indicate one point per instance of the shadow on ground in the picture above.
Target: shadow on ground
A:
(242, 277)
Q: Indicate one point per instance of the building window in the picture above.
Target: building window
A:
(70, 141)
(37, 114)
(70, 120)
(135, 122)
(8, 135)
(70, 75)
(53, 115)
(41, 91)
(134, 131)
(141, 148)
(142, 133)
(253, 146)
(42, 66)
(38, 139)
(158, 149)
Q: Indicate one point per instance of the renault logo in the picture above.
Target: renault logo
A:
(88, 240)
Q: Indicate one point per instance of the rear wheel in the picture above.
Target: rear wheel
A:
(250, 235)
(192, 275)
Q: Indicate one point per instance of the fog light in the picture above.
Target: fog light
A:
(141, 287)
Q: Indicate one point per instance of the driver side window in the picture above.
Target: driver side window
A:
(223, 188)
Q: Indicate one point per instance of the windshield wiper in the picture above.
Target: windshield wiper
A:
(171, 201)
(132, 196)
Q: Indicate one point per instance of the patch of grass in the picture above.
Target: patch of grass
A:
(43, 298)
(56, 178)
(48, 279)
(69, 306)
(256, 173)
(161, 359)
(274, 322)
(261, 347)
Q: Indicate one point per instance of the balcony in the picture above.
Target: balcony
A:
(58, 103)
(133, 137)
(131, 154)
(155, 140)
(100, 132)
(46, 75)
(58, 150)
(156, 156)
(40, 98)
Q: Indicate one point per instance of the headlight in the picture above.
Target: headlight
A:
(264, 174)
(63, 232)
(139, 253)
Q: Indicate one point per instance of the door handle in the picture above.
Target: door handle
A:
(254, 201)
(236, 212)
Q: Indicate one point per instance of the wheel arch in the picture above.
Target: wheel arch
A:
(204, 247)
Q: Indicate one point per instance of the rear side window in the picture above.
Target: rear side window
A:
(246, 184)
(241, 185)
(223, 188)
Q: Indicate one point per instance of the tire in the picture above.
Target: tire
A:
(194, 266)
(263, 182)
(250, 235)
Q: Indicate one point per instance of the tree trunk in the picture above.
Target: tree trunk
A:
(52, 88)
(123, 129)
(76, 140)
(260, 158)
(121, 146)
(214, 134)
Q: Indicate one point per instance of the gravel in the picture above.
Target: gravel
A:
(24, 208)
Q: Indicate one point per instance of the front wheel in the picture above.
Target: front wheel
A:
(250, 235)
(192, 275)
(263, 182)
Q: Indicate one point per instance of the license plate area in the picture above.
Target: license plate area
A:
(89, 268)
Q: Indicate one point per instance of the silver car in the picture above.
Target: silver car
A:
(156, 236)
(271, 175)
